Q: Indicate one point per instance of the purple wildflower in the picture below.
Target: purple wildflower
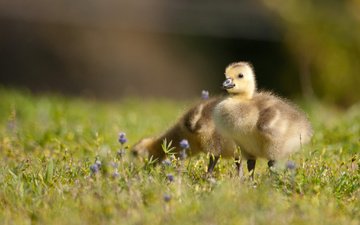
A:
(166, 162)
(184, 144)
(290, 165)
(115, 174)
(94, 168)
(167, 197)
(98, 163)
(122, 138)
(170, 177)
(204, 94)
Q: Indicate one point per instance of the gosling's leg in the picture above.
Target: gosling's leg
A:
(212, 162)
(251, 167)
(239, 168)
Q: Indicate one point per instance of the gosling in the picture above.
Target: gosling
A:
(196, 126)
(261, 124)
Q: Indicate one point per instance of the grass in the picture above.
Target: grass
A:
(48, 143)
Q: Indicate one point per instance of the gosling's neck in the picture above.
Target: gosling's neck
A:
(244, 95)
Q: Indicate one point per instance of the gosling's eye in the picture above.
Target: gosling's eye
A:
(240, 75)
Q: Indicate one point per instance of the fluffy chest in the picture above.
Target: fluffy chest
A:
(234, 117)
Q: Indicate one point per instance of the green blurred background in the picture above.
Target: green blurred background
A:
(155, 48)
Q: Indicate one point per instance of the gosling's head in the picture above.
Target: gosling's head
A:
(240, 79)
(143, 147)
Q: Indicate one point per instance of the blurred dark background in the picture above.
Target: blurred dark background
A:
(114, 48)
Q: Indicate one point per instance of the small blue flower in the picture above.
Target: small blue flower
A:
(94, 168)
(115, 174)
(98, 163)
(170, 177)
(166, 162)
(290, 165)
(184, 144)
(167, 197)
(204, 94)
(122, 138)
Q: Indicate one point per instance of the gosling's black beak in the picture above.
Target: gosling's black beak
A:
(228, 83)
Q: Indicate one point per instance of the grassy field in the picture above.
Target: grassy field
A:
(49, 143)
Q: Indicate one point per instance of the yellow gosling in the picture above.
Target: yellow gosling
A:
(262, 124)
